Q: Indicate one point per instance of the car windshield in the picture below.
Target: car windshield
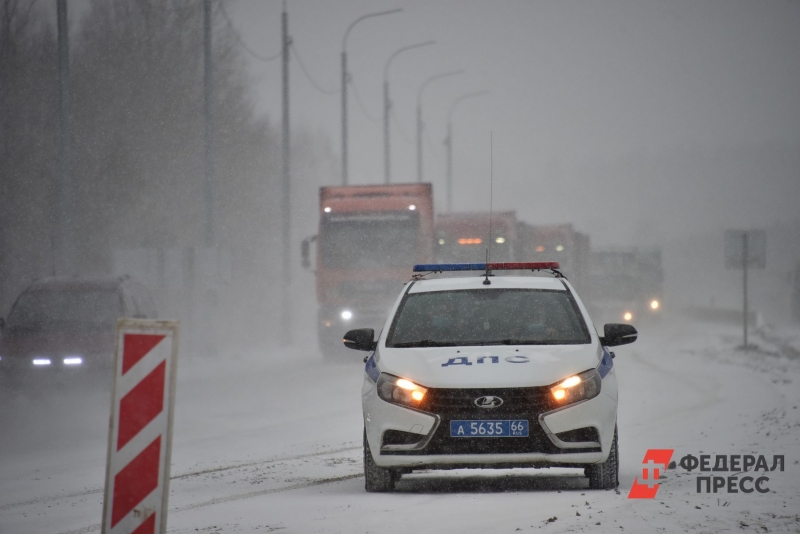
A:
(377, 240)
(36, 309)
(488, 317)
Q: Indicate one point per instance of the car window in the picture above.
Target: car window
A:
(487, 317)
(45, 307)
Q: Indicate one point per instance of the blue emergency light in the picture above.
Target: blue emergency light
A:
(492, 266)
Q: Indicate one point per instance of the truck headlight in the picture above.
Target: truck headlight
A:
(577, 388)
(399, 390)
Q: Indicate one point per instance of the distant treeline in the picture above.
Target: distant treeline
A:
(137, 140)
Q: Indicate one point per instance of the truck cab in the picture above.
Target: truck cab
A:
(369, 237)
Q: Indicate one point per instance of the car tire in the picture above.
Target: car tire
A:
(377, 479)
(605, 475)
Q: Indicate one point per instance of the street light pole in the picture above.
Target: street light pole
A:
(345, 80)
(419, 115)
(208, 103)
(63, 231)
(286, 187)
(387, 104)
(449, 144)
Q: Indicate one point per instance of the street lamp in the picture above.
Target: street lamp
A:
(419, 115)
(387, 107)
(449, 143)
(344, 83)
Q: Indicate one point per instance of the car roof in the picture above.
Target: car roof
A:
(498, 282)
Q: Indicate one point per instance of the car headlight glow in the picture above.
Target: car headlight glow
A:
(41, 361)
(578, 387)
(399, 390)
(347, 315)
(627, 316)
(73, 360)
(654, 304)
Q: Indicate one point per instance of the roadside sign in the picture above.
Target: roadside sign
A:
(754, 241)
(140, 429)
(745, 249)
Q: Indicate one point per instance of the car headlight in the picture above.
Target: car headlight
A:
(347, 315)
(654, 304)
(577, 388)
(399, 390)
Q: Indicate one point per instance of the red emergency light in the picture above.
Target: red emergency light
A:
(522, 265)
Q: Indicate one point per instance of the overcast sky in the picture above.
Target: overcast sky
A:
(575, 86)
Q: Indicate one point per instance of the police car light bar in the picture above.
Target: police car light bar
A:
(496, 266)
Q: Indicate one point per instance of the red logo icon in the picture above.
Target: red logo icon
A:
(655, 462)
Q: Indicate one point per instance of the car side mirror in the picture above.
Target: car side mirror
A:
(360, 339)
(618, 334)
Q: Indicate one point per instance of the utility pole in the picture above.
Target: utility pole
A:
(286, 190)
(387, 107)
(208, 175)
(345, 79)
(448, 143)
(65, 189)
(344, 116)
(745, 262)
(420, 124)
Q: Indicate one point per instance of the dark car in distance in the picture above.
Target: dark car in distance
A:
(61, 326)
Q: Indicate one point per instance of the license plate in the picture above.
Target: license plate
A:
(514, 428)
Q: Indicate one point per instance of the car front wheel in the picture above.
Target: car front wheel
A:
(377, 479)
(605, 475)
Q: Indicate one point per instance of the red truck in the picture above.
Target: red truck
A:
(369, 238)
(464, 237)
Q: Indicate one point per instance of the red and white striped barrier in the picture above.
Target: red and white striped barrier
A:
(140, 431)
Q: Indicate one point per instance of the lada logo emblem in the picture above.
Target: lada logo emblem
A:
(488, 401)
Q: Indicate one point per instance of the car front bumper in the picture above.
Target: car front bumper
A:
(428, 444)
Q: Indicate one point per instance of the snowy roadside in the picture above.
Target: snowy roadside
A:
(243, 464)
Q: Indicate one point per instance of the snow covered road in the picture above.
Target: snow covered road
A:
(272, 441)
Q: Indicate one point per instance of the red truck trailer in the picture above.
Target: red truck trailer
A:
(369, 238)
(464, 237)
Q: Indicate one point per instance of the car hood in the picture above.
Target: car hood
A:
(489, 366)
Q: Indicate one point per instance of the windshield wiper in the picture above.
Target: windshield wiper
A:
(423, 343)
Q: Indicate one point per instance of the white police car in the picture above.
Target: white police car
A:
(489, 372)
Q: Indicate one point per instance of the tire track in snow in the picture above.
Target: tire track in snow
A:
(239, 496)
(93, 491)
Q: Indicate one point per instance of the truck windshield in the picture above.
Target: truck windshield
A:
(369, 240)
(488, 317)
(36, 309)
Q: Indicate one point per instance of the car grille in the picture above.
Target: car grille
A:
(459, 404)
(516, 401)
